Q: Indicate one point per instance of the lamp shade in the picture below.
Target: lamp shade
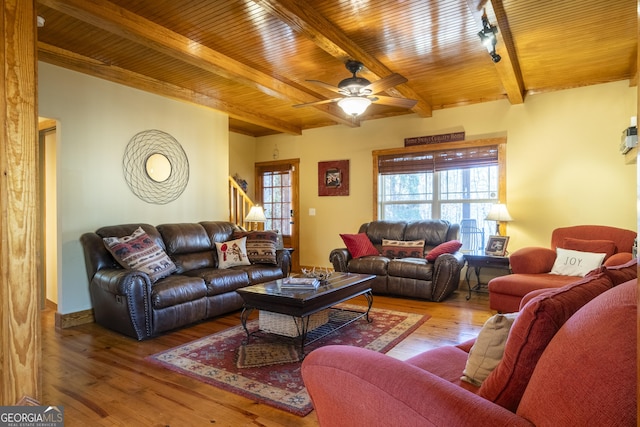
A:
(499, 213)
(256, 214)
(354, 105)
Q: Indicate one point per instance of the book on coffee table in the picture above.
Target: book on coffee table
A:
(300, 283)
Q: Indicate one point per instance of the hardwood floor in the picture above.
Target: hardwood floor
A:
(102, 379)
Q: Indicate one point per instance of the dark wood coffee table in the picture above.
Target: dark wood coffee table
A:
(303, 303)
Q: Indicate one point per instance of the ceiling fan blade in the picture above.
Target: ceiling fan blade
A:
(324, 101)
(385, 83)
(325, 85)
(395, 102)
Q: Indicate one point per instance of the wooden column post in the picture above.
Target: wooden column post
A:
(20, 346)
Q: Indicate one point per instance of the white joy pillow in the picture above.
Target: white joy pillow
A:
(575, 263)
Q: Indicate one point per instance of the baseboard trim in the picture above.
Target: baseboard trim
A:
(69, 320)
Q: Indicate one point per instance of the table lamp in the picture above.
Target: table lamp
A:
(255, 215)
(498, 213)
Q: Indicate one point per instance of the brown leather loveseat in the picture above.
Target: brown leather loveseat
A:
(130, 302)
(413, 277)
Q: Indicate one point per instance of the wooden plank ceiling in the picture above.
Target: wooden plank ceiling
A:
(251, 59)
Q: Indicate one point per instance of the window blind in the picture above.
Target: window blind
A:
(440, 160)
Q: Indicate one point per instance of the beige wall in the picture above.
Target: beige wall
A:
(563, 163)
(96, 120)
(242, 158)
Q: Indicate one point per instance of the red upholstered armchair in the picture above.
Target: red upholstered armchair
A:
(569, 360)
(532, 266)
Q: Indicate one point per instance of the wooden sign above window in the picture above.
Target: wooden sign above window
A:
(434, 139)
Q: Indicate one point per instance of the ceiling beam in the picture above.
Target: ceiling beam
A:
(304, 19)
(64, 58)
(508, 68)
(120, 21)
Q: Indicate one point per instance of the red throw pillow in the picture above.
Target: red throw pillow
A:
(450, 247)
(534, 328)
(606, 247)
(359, 245)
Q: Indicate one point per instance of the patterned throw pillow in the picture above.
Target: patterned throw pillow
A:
(139, 252)
(402, 248)
(261, 245)
(232, 253)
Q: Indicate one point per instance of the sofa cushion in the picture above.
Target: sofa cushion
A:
(449, 247)
(402, 248)
(587, 374)
(220, 281)
(359, 245)
(575, 263)
(139, 252)
(261, 245)
(177, 289)
(532, 330)
(488, 349)
(410, 268)
(608, 247)
(619, 273)
(232, 253)
(369, 265)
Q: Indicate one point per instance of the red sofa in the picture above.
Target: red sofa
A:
(531, 266)
(569, 360)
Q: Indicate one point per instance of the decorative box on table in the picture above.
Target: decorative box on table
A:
(289, 326)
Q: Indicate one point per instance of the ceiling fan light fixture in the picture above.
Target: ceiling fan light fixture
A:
(354, 105)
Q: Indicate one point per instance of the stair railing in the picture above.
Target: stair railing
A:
(239, 204)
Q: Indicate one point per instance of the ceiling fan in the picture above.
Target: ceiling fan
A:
(358, 92)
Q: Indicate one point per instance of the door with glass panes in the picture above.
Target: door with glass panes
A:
(277, 192)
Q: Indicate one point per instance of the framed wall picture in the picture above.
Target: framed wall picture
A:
(333, 178)
(497, 245)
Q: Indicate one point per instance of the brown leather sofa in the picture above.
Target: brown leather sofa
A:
(408, 277)
(126, 301)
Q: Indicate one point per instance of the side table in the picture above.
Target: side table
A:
(478, 261)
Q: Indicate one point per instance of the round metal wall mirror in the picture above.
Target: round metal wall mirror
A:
(155, 167)
(158, 167)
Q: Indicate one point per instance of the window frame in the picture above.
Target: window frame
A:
(500, 142)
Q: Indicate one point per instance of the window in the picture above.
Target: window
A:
(457, 183)
(276, 200)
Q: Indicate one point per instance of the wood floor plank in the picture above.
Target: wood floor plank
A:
(102, 377)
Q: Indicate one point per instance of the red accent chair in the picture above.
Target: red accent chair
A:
(571, 361)
(531, 266)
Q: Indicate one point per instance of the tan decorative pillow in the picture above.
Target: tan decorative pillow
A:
(488, 349)
(232, 253)
(402, 248)
(139, 252)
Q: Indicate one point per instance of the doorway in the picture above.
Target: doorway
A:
(48, 273)
(277, 184)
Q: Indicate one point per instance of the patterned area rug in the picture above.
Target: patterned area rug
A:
(277, 381)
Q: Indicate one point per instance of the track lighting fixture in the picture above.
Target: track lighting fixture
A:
(488, 38)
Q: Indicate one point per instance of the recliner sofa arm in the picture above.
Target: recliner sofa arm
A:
(532, 260)
(121, 300)
(340, 258)
(384, 391)
(283, 259)
(446, 275)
